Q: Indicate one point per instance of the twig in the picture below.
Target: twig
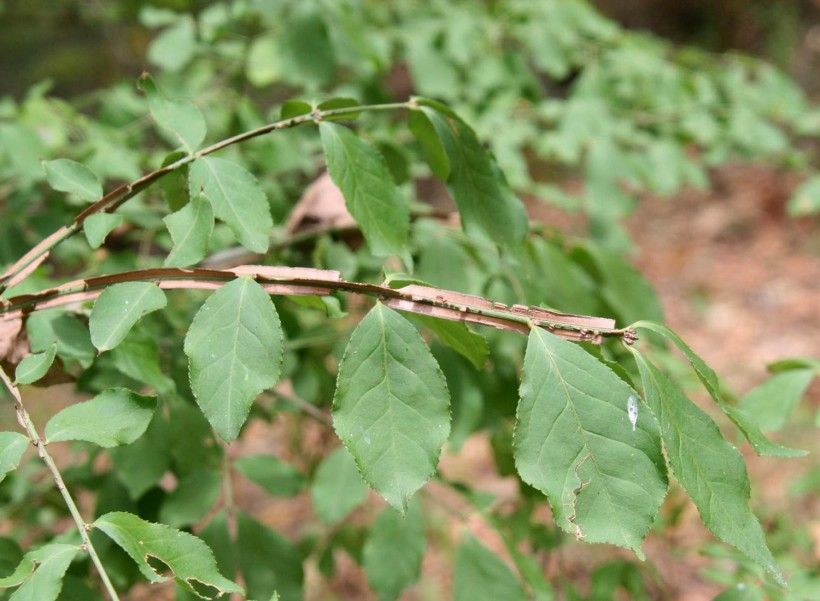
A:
(111, 201)
(24, 419)
(295, 281)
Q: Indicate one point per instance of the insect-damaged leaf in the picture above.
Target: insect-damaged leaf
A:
(112, 418)
(707, 466)
(234, 348)
(149, 545)
(574, 442)
(391, 407)
(236, 199)
(371, 196)
(483, 196)
(118, 308)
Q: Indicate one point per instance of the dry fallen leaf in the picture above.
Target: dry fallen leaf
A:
(322, 204)
(9, 332)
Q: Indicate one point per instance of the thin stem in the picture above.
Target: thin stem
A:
(111, 201)
(25, 422)
(295, 281)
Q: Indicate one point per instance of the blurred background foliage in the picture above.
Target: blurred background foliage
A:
(586, 106)
(555, 87)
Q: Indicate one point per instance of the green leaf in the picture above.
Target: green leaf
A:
(181, 119)
(270, 563)
(191, 560)
(218, 537)
(574, 442)
(234, 348)
(140, 465)
(741, 592)
(707, 466)
(44, 328)
(272, 474)
(434, 153)
(294, 108)
(264, 65)
(484, 199)
(458, 337)
(805, 199)
(175, 46)
(337, 487)
(193, 497)
(119, 308)
(35, 366)
(75, 178)
(138, 357)
(190, 230)
(112, 418)
(745, 421)
(480, 575)
(772, 402)
(391, 407)
(98, 226)
(236, 199)
(393, 551)
(12, 447)
(624, 288)
(40, 573)
(371, 196)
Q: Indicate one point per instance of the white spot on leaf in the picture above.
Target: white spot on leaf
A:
(632, 410)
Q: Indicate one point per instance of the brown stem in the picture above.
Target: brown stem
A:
(111, 201)
(295, 281)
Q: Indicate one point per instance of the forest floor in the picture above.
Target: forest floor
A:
(741, 280)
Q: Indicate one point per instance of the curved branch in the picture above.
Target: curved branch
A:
(296, 281)
(116, 197)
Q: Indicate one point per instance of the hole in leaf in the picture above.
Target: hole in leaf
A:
(159, 566)
(203, 590)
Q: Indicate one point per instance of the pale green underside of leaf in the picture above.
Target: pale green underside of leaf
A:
(190, 230)
(12, 447)
(391, 407)
(114, 417)
(65, 175)
(236, 199)
(370, 194)
(573, 441)
(745, 422)
(484, 199)
(98, 226)
(40, 573)
(190, 559)
(35, 366)
(707, 466)
(119, 308)
(235, 349)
